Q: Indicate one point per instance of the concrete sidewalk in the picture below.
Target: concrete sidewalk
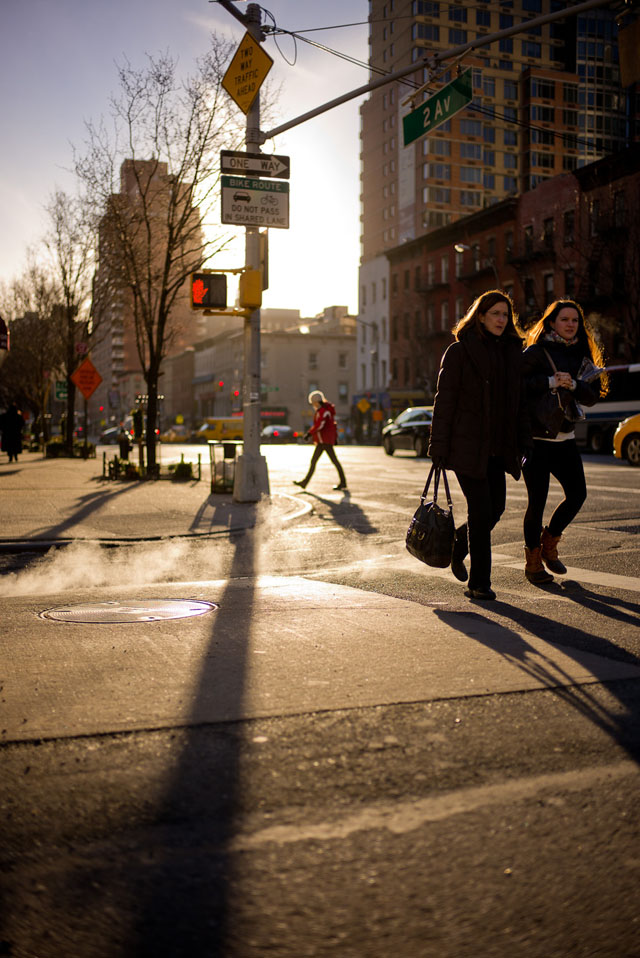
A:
(53, 501)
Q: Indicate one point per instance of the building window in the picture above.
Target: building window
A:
(489, 181)
(548, 287)
(510, 161)
(416, 278)
(459, 263)
(431, 273)
(470, 174)
(543, 114)
(470, 127)
(510, 138)
(510, 90)
(394, 284)
(425, 31)
(458, 14)
(619, 215)
(459, 308)
(528, 239)
(529, 292)
(394, 329)
(569, 283)
(543, 89)
(506, 45)
(440, 171)
(342, 360)
(425, 8)
(406, 279)
(530, 48)
(444, 315)
(470, 151)
(439, 194)
(430, 319)
(444, 269)
(470, 198)
(548, 229)
(456, 37)
(483, 18)
(343, 392)
(407, 371)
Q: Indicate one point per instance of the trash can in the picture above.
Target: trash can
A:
(222, 457)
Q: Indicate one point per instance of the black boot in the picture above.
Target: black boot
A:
(458, 553)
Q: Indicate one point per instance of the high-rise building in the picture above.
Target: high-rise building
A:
(115, 353)
(546, 101)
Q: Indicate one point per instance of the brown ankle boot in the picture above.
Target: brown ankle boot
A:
(534, 570)
(550, 552)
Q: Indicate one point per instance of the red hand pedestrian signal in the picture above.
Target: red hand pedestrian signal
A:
(208, 290)
(198, 291)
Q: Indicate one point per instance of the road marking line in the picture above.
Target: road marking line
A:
(402, 817)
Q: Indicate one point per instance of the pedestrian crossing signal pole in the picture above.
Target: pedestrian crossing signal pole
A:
(252, 478)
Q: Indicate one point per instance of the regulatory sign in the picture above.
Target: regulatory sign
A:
(87, 378)
(255, 164)
(440, 107)
(248, 202)
(246, 72)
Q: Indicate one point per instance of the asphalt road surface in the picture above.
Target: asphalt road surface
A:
(501, 822)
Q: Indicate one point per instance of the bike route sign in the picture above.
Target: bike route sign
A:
(253, 202)
(440, 107)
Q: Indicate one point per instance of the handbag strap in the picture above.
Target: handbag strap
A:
(551, 362)
(438, 472)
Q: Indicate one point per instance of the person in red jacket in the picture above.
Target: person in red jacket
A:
(325, 436)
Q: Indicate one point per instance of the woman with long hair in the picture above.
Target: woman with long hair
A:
(480, 427)
(557, 347)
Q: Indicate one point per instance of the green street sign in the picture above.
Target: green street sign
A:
(62, 390)
(440, 107)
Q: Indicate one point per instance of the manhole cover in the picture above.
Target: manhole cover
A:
(144, 611)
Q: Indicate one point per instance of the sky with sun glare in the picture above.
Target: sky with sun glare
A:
(58, 70)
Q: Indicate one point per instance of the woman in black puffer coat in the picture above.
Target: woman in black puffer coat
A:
(562, 335)
(480, 428)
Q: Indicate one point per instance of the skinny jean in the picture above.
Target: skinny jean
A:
(319, 448)
(561, 460)
(486, 500)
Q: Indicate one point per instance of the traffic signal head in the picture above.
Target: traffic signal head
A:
(208, 291)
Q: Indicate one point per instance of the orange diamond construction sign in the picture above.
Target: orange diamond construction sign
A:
(87, 378)
(246, 72)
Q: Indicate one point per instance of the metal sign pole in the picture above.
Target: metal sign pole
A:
(251, 477)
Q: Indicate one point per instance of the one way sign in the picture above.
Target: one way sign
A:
(255, 164)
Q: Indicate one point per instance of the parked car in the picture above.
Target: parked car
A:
(626, 440)
(279, 433)
(410, 430)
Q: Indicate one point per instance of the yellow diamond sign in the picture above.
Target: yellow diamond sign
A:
(246, 72)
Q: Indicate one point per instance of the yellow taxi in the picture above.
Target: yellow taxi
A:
(626, 440)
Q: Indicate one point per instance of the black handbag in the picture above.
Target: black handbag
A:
(555, 406)
(431, 532)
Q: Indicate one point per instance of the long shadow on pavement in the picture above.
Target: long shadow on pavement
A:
(346, 514)
(623, 727)
(185, 888)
